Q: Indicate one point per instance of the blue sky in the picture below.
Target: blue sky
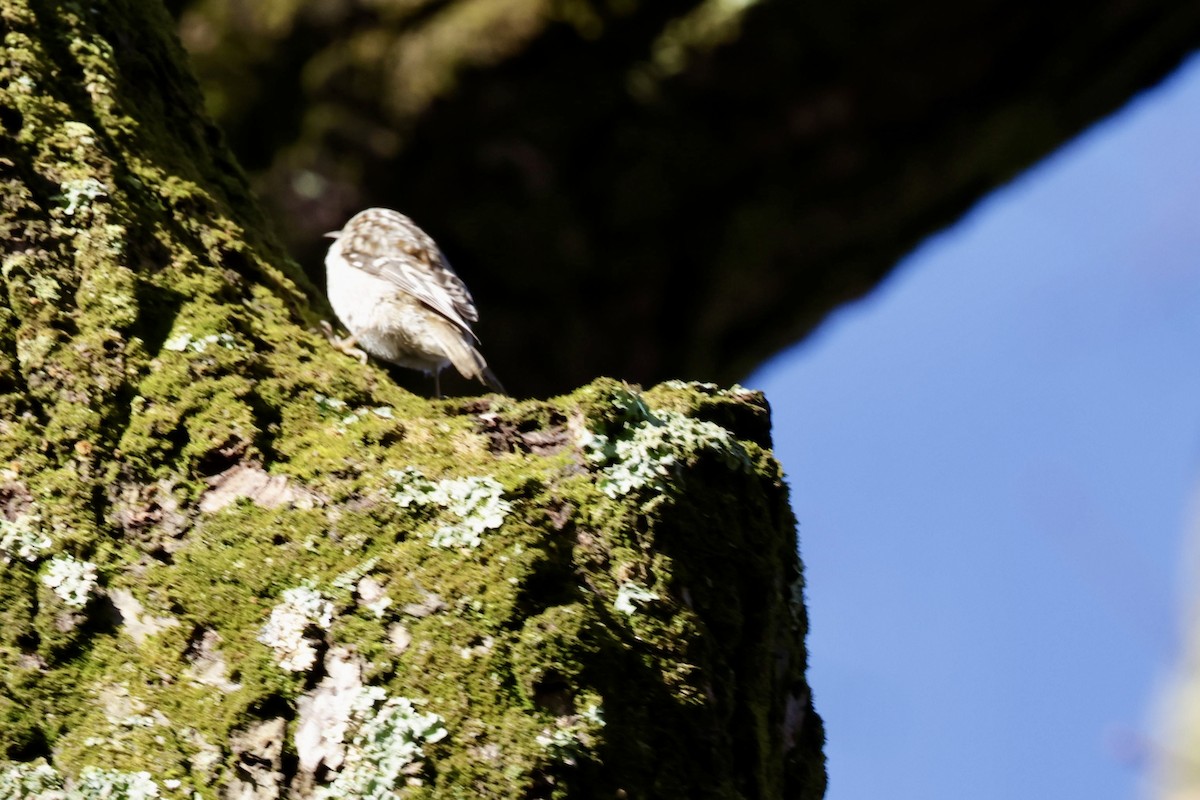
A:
(991, 459)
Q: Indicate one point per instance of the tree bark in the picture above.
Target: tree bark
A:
(236, 563)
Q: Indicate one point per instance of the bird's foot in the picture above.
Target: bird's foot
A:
(347, 344)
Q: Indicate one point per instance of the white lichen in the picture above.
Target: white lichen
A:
(332, 405)
(696, 386)
(40, 781)
(95, 783)
(385, 738)
(79, 193)
(71, 579)
(22, 538)
(711, 389)
(411, 487)
(187, 341)
(383, 412)
(646, 447)
(572, 735)
(178, 343)
(290, 629)
(350, 578)
(30, 781)
(477, 503)
(327, 403)
(630, 595)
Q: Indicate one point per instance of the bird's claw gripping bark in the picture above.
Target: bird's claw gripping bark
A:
(346, 344)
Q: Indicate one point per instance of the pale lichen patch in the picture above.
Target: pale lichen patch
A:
(647, 445)
(474, 505)
(630, 595)
(23, 538)
(185, 340)
(71, 579)
(95, 782)
(80, 193)
(40, 781)
(30, 781)
(573, 734)
(385, 747)
(292, 630)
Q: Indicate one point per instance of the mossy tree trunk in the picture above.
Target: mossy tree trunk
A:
(236, 563)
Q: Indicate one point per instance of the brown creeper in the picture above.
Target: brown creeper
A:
(396, 294)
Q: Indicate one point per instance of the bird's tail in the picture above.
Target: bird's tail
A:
(467, 360)
(491, 381)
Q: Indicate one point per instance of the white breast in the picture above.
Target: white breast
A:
(355, 295)
(384, 321)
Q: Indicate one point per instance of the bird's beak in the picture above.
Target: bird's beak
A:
(332, 234)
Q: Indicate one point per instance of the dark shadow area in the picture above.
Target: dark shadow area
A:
(664, 191)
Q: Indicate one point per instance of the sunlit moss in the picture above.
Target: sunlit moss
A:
(155, 341)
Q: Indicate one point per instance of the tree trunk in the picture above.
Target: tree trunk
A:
(236, 563)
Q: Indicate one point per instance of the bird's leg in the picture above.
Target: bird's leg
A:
(437, 384)
(348, 344)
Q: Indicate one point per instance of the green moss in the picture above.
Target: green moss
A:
(156, 347)
(523, 638)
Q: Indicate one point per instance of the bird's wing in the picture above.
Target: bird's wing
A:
(433, 283)
(401, 253)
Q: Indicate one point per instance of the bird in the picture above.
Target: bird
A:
(400, 299)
